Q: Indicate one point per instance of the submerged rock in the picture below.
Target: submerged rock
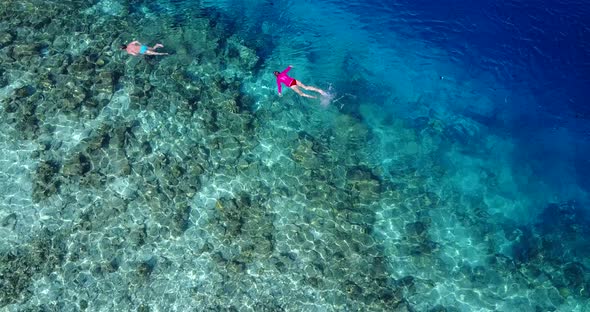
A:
(25, 91)
(73, 96)
(20, 266)
(6, 38)
(46, 181)
(78, 166)
(23, 50)
(363, 183)
(9, 221)
(416, 228)
(574, 274)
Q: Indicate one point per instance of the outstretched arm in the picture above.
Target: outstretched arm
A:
(279, 87)
(286, 69)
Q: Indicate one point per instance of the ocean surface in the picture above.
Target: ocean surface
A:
(445, 169)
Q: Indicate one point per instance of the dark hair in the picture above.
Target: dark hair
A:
(123, 47)
(276, 73)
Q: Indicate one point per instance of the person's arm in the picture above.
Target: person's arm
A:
(280, 87)
(286, 70)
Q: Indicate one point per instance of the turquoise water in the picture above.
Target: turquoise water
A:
(446, 170)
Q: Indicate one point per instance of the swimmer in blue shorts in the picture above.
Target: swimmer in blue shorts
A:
(137, 48)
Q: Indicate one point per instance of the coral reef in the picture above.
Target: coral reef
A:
(21, 266)
(161, 183)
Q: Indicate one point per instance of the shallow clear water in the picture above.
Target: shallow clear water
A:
(444, 171)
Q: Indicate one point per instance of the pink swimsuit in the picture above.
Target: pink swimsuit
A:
(283, 78)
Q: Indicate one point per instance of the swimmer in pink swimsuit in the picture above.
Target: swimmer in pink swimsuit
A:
(294, 84)
(136, 48)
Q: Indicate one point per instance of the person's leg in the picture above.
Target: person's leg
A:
(296, 89)
(310, 88)
(152, 52)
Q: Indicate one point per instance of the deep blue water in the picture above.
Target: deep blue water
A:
(529, 60)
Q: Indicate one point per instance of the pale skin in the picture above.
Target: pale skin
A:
(309, 88)
(134, 47)
(297, 88)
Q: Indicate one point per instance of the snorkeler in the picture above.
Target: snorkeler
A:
(294, 84)
(136, 48)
